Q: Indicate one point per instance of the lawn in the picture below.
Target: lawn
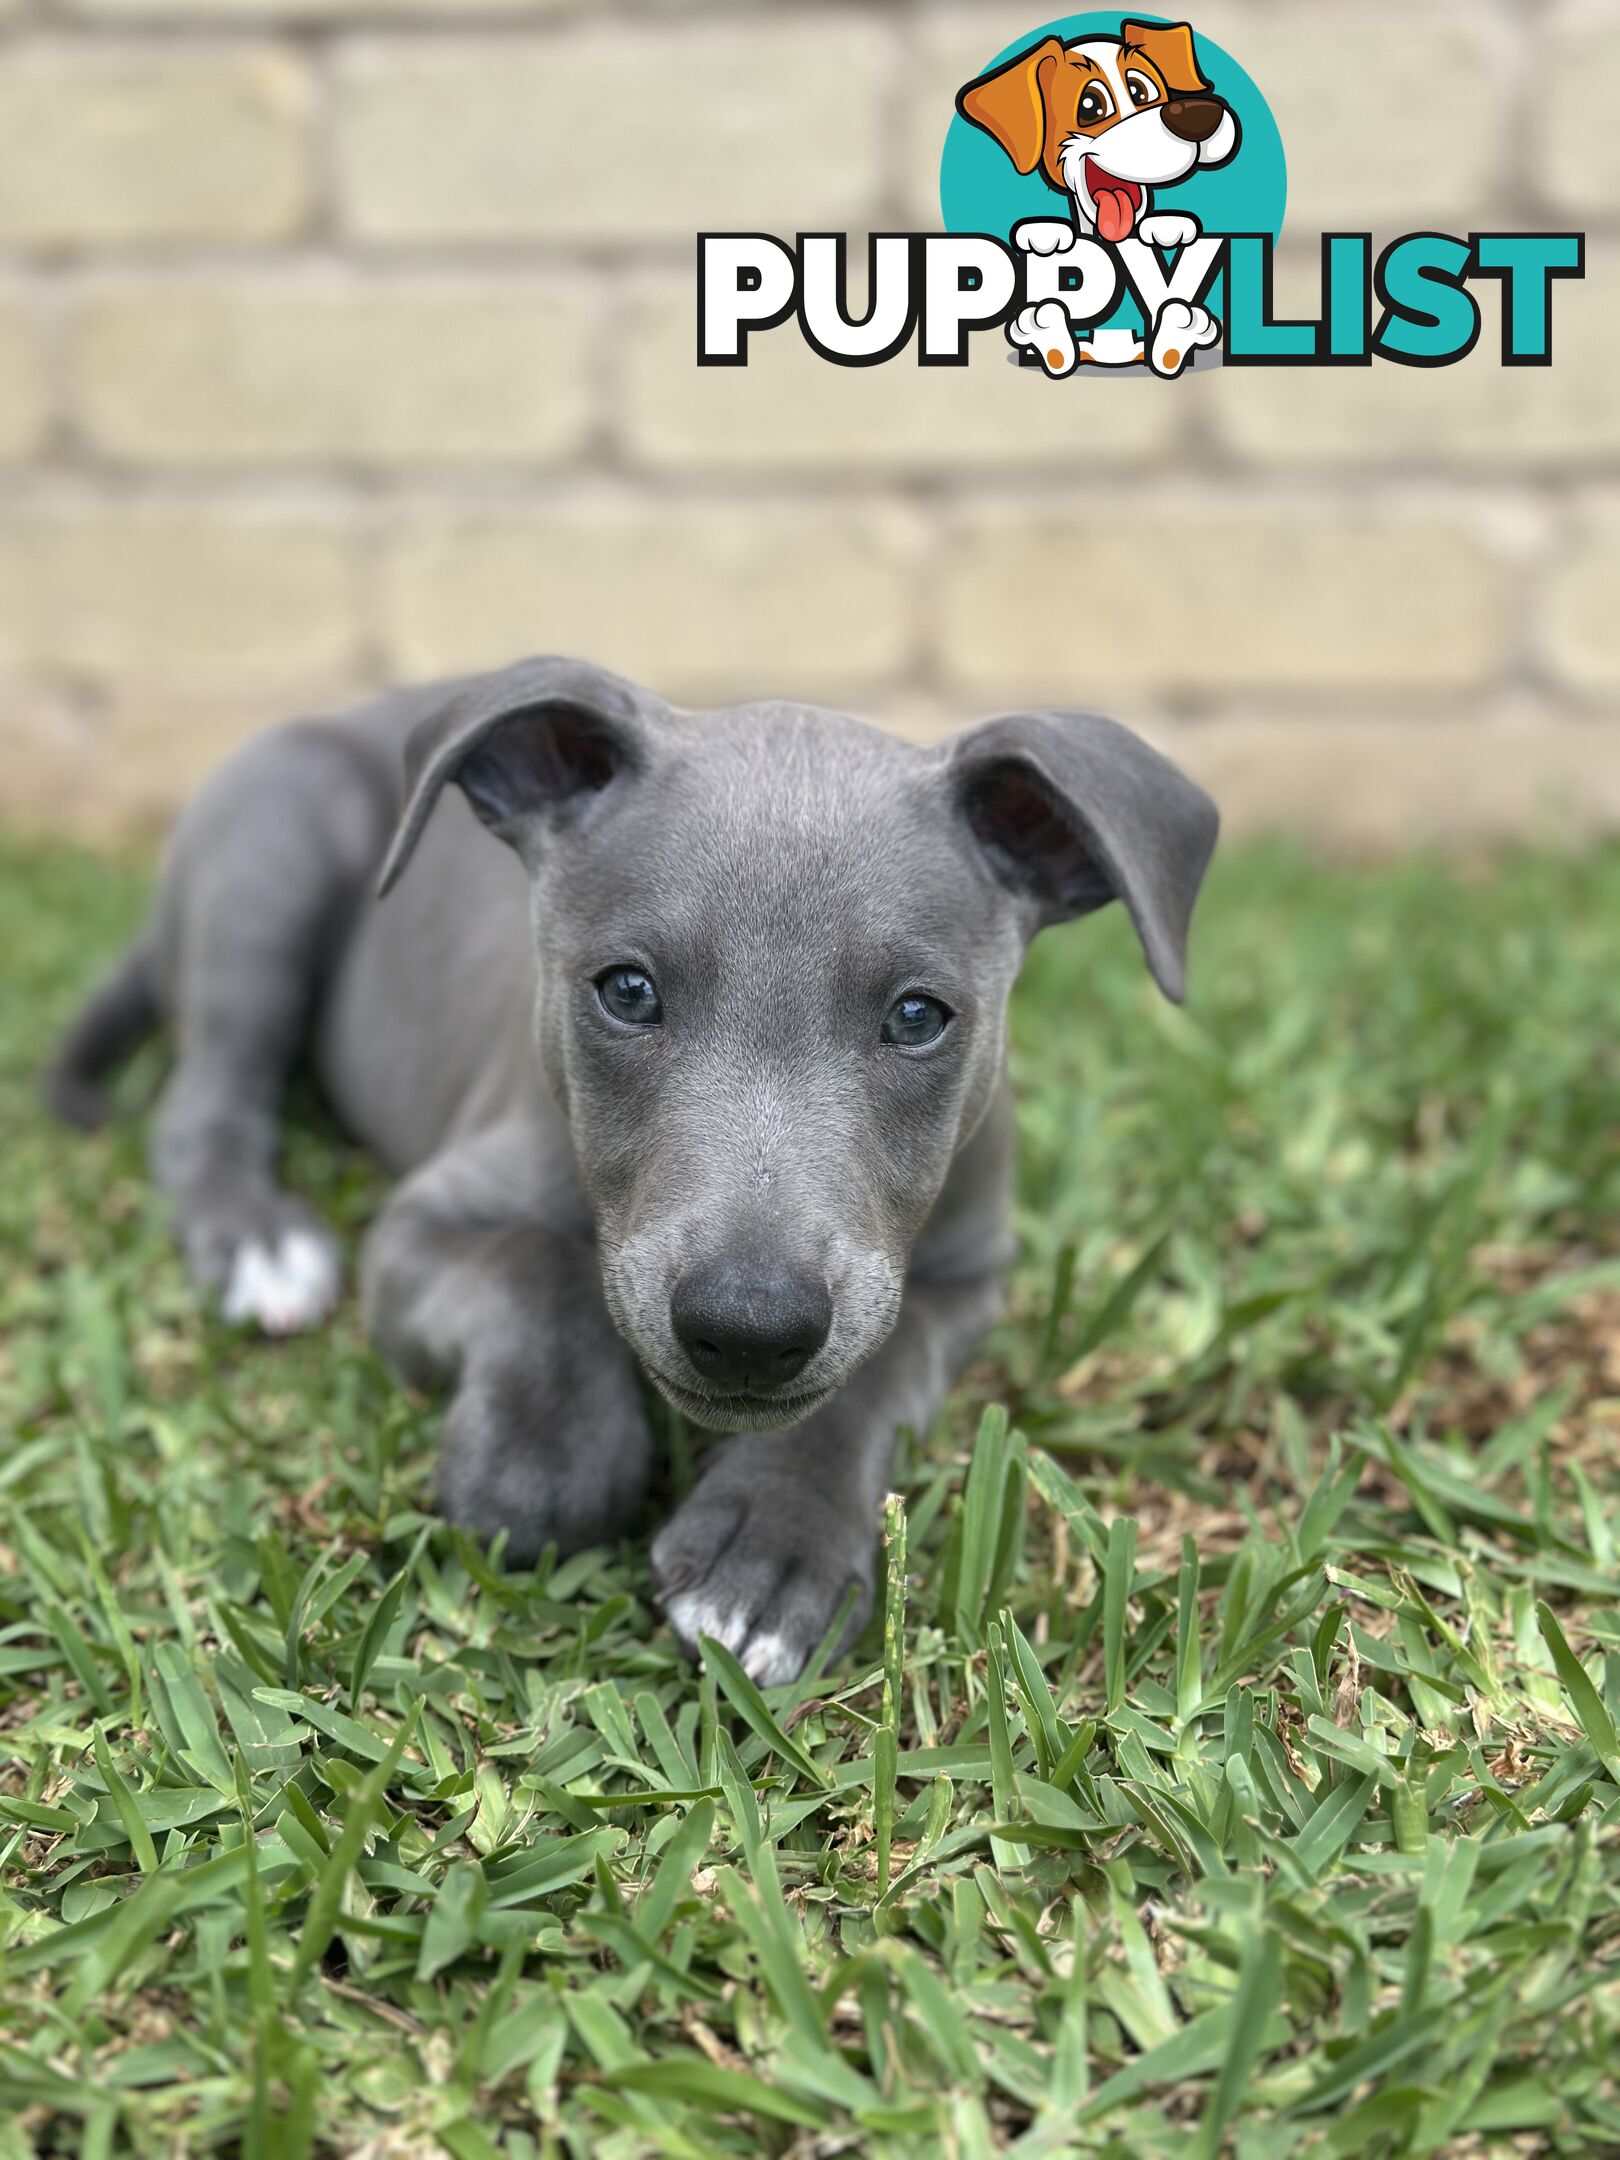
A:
(1234, 1765)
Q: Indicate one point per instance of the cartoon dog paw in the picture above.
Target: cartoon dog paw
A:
(1179, 331)
(1169, 229)
(1044, 327)
(1043, 235)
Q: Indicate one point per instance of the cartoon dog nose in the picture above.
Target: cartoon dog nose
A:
(750, 1327)
(1193, 119)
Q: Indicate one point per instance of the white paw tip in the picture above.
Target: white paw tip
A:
(693, 1616)
(769, 1660)
(285, 1289)
(765, 1655)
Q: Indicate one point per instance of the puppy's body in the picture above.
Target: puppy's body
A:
(404, 1074)
(704, 1077)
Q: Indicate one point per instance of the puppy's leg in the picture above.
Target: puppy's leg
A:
(265, 867)
(763, 1553)
(465, 1280)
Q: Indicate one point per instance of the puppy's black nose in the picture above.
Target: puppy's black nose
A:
(1193, 119)
(750, 1327)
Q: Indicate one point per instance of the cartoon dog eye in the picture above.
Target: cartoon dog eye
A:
(1095, 105)
(1144, 91)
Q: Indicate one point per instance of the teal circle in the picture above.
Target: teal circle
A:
(981, 191)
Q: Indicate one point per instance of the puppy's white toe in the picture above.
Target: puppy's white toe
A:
(284, 1289)
(769, 1660)
(693, 1615)
(766, 1656)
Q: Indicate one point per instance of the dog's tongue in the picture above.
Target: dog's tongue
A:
(1115, 213)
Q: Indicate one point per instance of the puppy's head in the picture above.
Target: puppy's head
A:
(1106, 119)
(775, 948)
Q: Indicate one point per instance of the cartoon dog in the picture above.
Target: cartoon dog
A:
(1107, 120)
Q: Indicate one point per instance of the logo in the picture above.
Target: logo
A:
(1120, 122)
(1112, 191)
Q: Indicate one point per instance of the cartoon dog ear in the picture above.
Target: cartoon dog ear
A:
(1170, 48)
(1073, 811)
(1010, 102)
(530, 745)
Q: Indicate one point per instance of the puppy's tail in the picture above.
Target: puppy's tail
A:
(121, 1012)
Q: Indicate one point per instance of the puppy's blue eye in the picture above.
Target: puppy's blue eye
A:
(914, 1021)
(630, 996)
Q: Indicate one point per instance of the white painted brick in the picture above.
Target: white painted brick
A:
(1372, 783)
(1192, 596)
(194, 599)
(362, 371)
(701, 600)
(653, 131)
(24, 398)
(463, 13)
(1577, 61)
(47, 753)
(1580, 607)
(19, 624)
(113, 143)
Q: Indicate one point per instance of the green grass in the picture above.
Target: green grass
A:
(1233, 1767)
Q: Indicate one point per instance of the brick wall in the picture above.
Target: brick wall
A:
(344, 341)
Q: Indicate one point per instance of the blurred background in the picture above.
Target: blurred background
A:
(351, 341)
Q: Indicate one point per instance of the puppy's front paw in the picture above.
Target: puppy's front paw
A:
(761, 1561)
(1169, 229)
(548, 1467)
(269, 1260)
(285, 1288)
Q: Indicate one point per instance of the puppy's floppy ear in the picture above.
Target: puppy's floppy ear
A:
(1170, 47)
(1010, 103)
(538, 741)
(1073, 811)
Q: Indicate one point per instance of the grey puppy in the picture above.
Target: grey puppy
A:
(704, 1073)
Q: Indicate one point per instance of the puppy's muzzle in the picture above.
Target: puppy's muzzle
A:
(749, 1329)
(1193, 119)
